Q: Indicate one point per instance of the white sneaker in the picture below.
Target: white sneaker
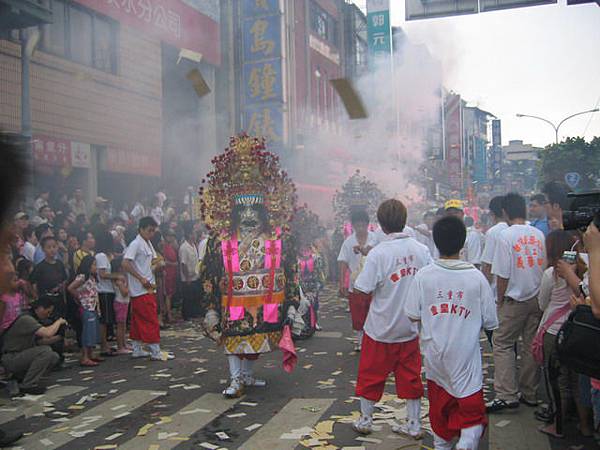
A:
(235, 389)
(251, 381)
(163, 356)
(405, 429)
(363, 426)
(140, 354)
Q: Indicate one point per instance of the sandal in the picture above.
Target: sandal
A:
(97, 359)
(108, 354)
(550, 430)
(88, 363)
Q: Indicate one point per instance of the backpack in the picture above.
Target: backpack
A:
(578, 342)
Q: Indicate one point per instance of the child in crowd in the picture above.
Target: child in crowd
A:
(390, 342)
(50, 276)
(85, 290)
(11, 302)
(121, 306)
(453, 301)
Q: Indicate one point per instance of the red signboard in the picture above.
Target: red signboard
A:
(51, 151)
(169, 20)
(453, 124)
(130, 161)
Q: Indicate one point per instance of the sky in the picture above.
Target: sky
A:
(540, 60)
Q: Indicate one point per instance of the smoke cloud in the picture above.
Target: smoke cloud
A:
(403, 100)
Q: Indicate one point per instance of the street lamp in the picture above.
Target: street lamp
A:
(556, 127)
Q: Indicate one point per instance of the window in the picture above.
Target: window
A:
(81, 35)
(323, 24)
(104, 44)
(54, 34)
(80, 31)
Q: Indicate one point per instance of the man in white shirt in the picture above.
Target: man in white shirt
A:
(390, 342)
(137, 212)
(137, 263)
(424, 235)
(188, 260)
(471, 252)
(519, 263)
(453, 301)
(350, 262)
(491, 238)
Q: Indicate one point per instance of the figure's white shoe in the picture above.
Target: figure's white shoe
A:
(248, 380)
(140, 354)
(235, 389)
(363, 425)
(405, 429)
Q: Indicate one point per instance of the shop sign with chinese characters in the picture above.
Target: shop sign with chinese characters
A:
(59, 152)
(262, 74)
(171, 21)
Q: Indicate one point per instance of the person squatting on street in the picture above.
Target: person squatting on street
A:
(453, 301)
(390, 342)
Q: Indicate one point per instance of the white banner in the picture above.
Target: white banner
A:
(81, 155)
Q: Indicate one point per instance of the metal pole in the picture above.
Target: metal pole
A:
(26, 128)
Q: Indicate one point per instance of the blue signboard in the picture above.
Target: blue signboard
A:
(256, 8)
(263, 82)
(265, 121)
(262, 38)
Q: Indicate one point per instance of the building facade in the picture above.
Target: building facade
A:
(98, 78)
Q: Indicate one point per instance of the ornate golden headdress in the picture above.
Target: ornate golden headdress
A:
(246, 174)
(357, 193)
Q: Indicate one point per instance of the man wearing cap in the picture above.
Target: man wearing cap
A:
(101, 209)
(471, 252)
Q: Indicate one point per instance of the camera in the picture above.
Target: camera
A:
(585, 209)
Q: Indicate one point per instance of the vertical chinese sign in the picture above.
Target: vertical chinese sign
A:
(262, 74)
(453, 130)
(379, 33)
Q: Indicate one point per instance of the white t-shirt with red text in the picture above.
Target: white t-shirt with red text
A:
(454, 301)
(388, 274)
(520, 257)
(351, 258)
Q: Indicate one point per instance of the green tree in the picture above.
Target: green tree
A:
(572, 155)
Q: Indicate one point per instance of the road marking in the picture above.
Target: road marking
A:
(100, 415)
(185, 422)
(329, 334)
(29, 407)
(297, 413)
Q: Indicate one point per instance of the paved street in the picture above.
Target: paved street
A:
(177, 404)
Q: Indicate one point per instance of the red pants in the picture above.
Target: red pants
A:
(378, 359)
(359, 309)
(144, 319)
(449, 415)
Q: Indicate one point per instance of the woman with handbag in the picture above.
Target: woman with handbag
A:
(554, 299)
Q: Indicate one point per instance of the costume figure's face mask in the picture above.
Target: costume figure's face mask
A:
(250, 220)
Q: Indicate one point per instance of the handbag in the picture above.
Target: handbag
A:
(537, 345)
(578, 342)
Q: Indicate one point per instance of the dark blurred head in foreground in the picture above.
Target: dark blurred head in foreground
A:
(13, 174)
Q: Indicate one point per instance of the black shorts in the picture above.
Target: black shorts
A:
(107, 311)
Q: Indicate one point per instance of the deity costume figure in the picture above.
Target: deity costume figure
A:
(312, 267)
(249, 275)
(357, 194)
